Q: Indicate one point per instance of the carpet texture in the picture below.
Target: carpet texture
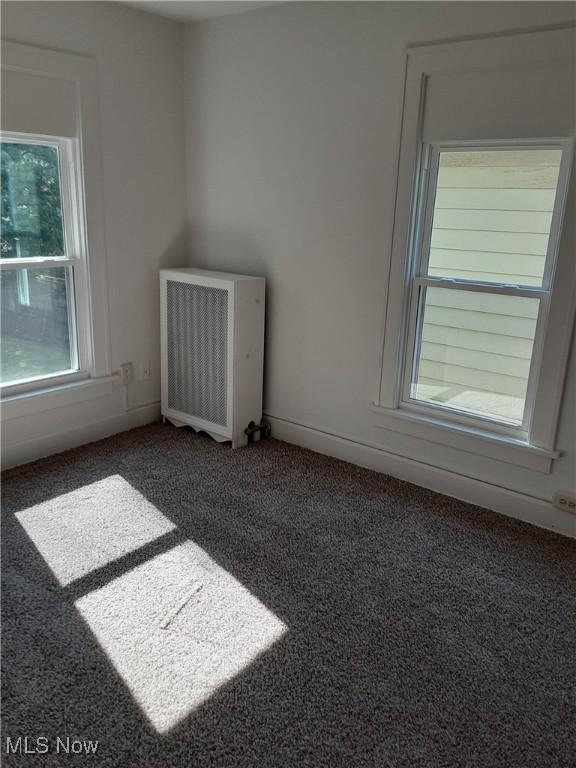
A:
(183, 604)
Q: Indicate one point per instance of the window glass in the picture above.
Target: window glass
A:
(493, 214)
(474, 352)
(31, 211)
(36, 323)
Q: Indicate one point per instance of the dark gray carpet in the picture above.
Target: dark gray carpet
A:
(189, 605)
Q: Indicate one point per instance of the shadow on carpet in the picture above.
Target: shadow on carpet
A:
(183, 604)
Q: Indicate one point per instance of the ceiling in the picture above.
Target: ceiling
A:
(187, 10)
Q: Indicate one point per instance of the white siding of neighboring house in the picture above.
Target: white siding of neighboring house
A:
(492, 221)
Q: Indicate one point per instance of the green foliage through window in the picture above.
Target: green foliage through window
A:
(31, 211)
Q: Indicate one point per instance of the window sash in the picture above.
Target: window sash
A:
(418, 280)
(505, 289)
(75, 371)
(413, 346)
(39, 262)
(73, 220)
(424, 213)
(44, 382)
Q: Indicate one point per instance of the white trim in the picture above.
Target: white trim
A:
(73, 207)
(38, 262)
(530, 509)
(418, 280)
(452, 418)
(58, 396)
(499, 447)
(81, 71)
(438, 55)
(40, 384)
(458, 284)
(225, 432)
(30, 450)
(75, 260)
(412, 220)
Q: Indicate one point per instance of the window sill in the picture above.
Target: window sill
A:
(47, 398)
(463, 438)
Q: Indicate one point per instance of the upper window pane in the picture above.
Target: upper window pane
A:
(31, 201)
(493, 214)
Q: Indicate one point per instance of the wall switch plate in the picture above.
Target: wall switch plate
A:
(127, 373)
(144, 371)
(565, 500)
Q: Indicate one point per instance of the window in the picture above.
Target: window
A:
(44, 322)
(480, 295)
(484, 246)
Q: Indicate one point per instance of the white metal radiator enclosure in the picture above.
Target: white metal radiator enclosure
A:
(212, 351)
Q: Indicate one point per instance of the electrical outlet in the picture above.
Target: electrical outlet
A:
(126, 374)
(565, 500)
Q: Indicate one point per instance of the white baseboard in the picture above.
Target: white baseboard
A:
(30, 450)
(511, 503)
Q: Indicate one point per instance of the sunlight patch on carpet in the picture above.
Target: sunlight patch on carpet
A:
(92, 526)
(176, 628)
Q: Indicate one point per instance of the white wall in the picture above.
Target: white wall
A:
(293, 119)
(292, 126)
(139, 61)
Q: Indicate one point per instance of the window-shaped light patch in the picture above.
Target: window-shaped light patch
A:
(92, 526)
(176, 628)
(493, 214)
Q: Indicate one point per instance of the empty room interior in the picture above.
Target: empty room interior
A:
(288, 384)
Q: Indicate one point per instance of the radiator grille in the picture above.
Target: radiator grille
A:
(197, 324)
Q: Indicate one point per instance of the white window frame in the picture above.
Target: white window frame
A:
(417, 279)
(82, 143)
(75, 259)
(533, 448)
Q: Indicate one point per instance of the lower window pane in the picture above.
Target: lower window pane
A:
(474, 352)
(37, 339)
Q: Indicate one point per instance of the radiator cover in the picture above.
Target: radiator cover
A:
(212, 338)
(197, 350)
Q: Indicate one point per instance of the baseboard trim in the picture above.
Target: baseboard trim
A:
(532, 510)
(30, 450)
